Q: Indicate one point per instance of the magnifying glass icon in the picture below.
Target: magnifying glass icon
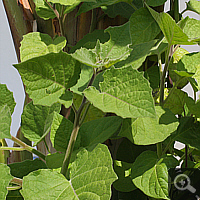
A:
(182, 182)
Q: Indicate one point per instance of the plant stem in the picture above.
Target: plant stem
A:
(28, 148)
(64, 169)
(93, 20)
(12, 148)
(54, 10)
(176, 10)
(162, 82)
(159, 149)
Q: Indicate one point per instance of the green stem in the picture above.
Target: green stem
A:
(54, 10)
(46, 145)
(159, 149)
(17, 181)
(12, 148)
(162, 82)
(93, 20)
(176, 10)
(85, 113)
(64, 169)
(134, 7)
(28, 148)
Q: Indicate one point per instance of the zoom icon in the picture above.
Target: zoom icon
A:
(182, 182)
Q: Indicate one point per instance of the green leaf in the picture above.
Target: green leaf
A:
(98, 131)
(55, 160)
(122, 8)
(172, 32)
(91, 177)
(138, 55)
(6, 98)
(43, 9)
(5, 122)
(89, 6)
(176, 101)
(47, 77)
(21, 169)
(14, 195)
(124, 182)
(153, 76)
(143, 27)
(93, 113)
(188, 132)
(89, 40)
(194, 107)
(61, 130)
(145, 131)
(194, 6)
(111, 52)
(124, 92)
(37, 121)
(37, 44)
(191, 27)
(150, 174)
(66, 99)
(85, 76)
(70, 2)
(5, 178)
(155, 3)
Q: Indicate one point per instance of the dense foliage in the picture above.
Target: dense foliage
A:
(122, 87)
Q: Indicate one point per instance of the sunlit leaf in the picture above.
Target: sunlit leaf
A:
(124, 92)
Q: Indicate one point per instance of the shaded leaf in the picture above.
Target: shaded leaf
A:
(61, 130)
(155, 3)
(89, 40)
(145, 131)
(5, 178)
(21, 169)
(98, 131)
(122, 8)
(55, 160)
(137, 56)
(150, 174)
(176, 101)
(6, 98)
(14, 195)
(89, 6)
(188, 132)
(93, 113)
(37, 121)
(124, 182)
(37, 44)
(172, 32)
(91, 177)
(153, 76)
(43, 9)
(109, 53)
(143, 27)
(47, 77)
(5, 122)
(124, 92)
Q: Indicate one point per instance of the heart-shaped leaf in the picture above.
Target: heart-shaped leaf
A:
(124, 92)
(47, 77)
(91, 176)
(150, 174)
(37, 44)
(145, 131)
(37, 120)
(5, 178)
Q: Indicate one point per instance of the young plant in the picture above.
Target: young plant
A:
(123, 119)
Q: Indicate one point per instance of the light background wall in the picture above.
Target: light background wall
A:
(10, 76)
